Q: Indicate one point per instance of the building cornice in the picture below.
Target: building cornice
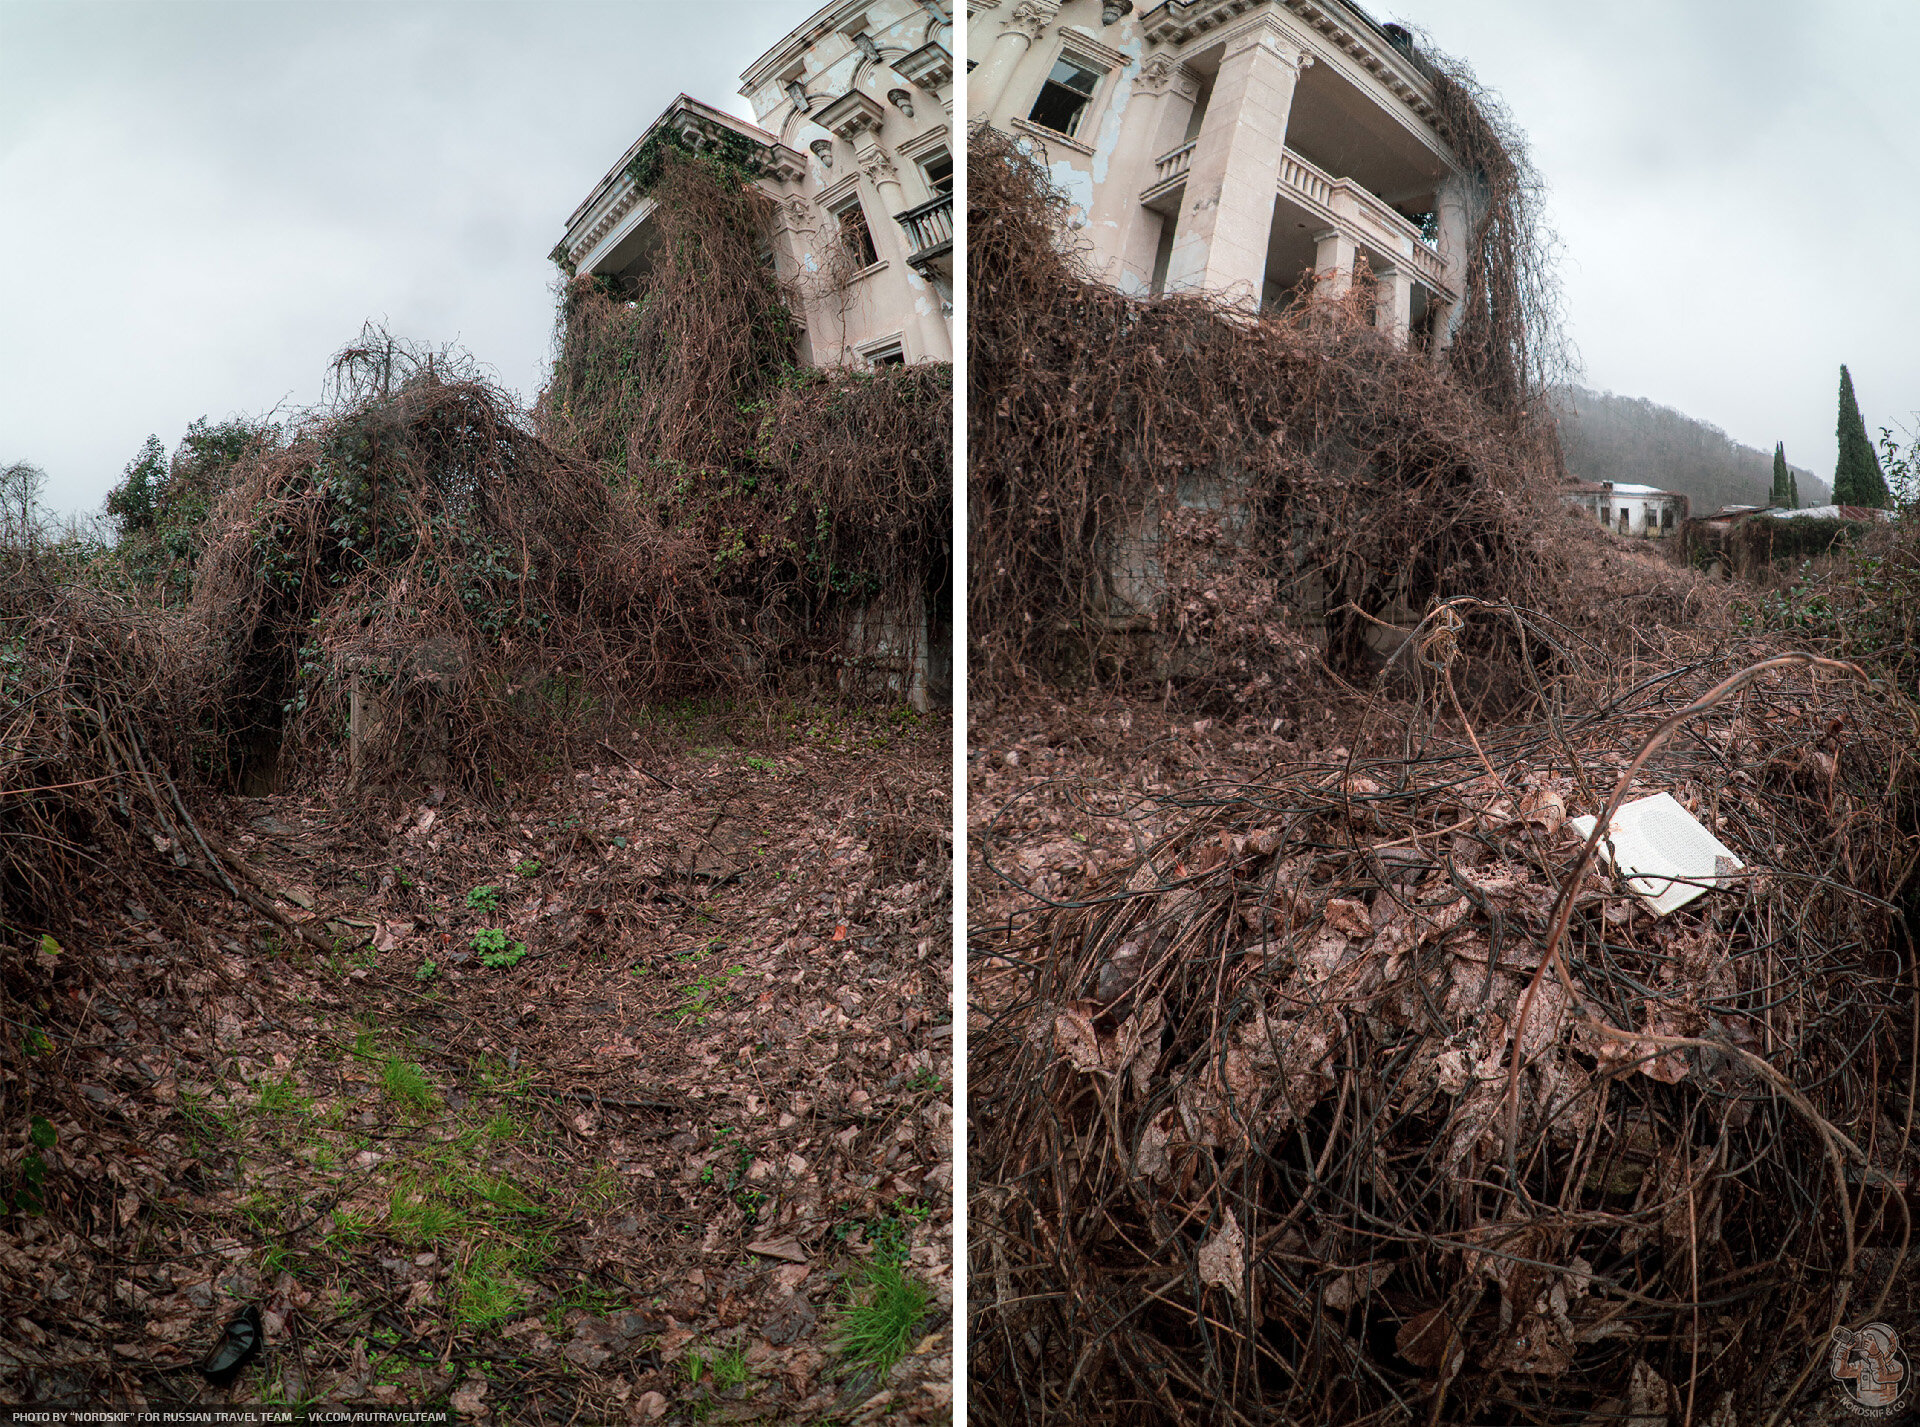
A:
(1176, 22)
(825, 21)
(1093, 47)
(616, 196)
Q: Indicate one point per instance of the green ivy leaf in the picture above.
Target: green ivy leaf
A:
(42, 1132)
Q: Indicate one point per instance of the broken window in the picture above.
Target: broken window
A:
(938, 171)
(1064, 97)
(854, 233)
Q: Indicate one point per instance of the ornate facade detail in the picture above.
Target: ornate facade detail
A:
(795, 213)
(929, 67)
(1031, 18)
(877, 166)
(851, 115)
(1161, 73)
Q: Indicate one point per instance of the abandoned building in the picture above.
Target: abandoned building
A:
(853, 146)
(1629, 509)
(1234, 146)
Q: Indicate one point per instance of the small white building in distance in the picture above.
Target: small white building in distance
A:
(1629, 509)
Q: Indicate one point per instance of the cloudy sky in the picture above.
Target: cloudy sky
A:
(1735, 186)
(204, 201)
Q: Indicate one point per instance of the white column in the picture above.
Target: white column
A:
(1226, 218)
(1333, 254)
(1393, 303)
(1127, 234)
(793, 221)
(987, 85)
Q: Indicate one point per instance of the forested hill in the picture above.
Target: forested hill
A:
(1624, 438)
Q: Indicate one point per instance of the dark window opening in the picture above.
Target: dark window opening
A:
(853, 232)
(894, 358)
(1063, 98)
(1666, 518)
(939, 172)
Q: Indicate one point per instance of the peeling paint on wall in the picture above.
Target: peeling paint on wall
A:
(1077, 184)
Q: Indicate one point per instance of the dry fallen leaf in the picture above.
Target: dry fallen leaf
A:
(1344, 914)
(787, 1249)
(1222, 1259)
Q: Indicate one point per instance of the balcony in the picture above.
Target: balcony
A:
(1332, 202)
(930, 234)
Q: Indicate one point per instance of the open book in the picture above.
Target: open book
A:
(1666, 855)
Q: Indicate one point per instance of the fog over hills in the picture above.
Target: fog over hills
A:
(1608, 437)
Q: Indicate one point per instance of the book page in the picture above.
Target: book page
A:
(1667, 856)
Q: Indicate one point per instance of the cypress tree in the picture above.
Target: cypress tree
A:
(1780, 494)
(1793, 491)
(1856, 477)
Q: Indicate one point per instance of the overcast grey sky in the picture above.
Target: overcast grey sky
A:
(1738, 189)
(203, 202)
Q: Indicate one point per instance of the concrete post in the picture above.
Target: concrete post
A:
(1393, 304)
(1442, 337)
(988, 82)
(1460, 204)
(1333, 255)
(793, 221)
(1159, 103)
(1227, 216)
(930, 340)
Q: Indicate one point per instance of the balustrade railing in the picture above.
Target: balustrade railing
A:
(930, 226)
(1341, 202)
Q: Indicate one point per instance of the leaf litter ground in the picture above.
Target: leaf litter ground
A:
(631, 1174)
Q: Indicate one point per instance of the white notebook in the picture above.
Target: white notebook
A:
(1665, 853)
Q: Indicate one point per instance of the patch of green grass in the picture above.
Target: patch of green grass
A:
(603, 1190)
(349, 1230)
(406, 1084)
(419, 1215)
(759, 764)
(502, 1193)
(484, 899)
(206, 1126)
(729, 1369)
(882, 1313)
(484, 1287)
(282, 1096)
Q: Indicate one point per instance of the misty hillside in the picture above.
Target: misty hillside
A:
(1624, 438)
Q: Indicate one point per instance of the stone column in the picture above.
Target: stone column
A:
(1126, 233)
(1459, 205)
(1227, 216)
(1393, 303)
(987, 85)
(1442, 337)
(1333, 255)
(923, 322)
(793, 223)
